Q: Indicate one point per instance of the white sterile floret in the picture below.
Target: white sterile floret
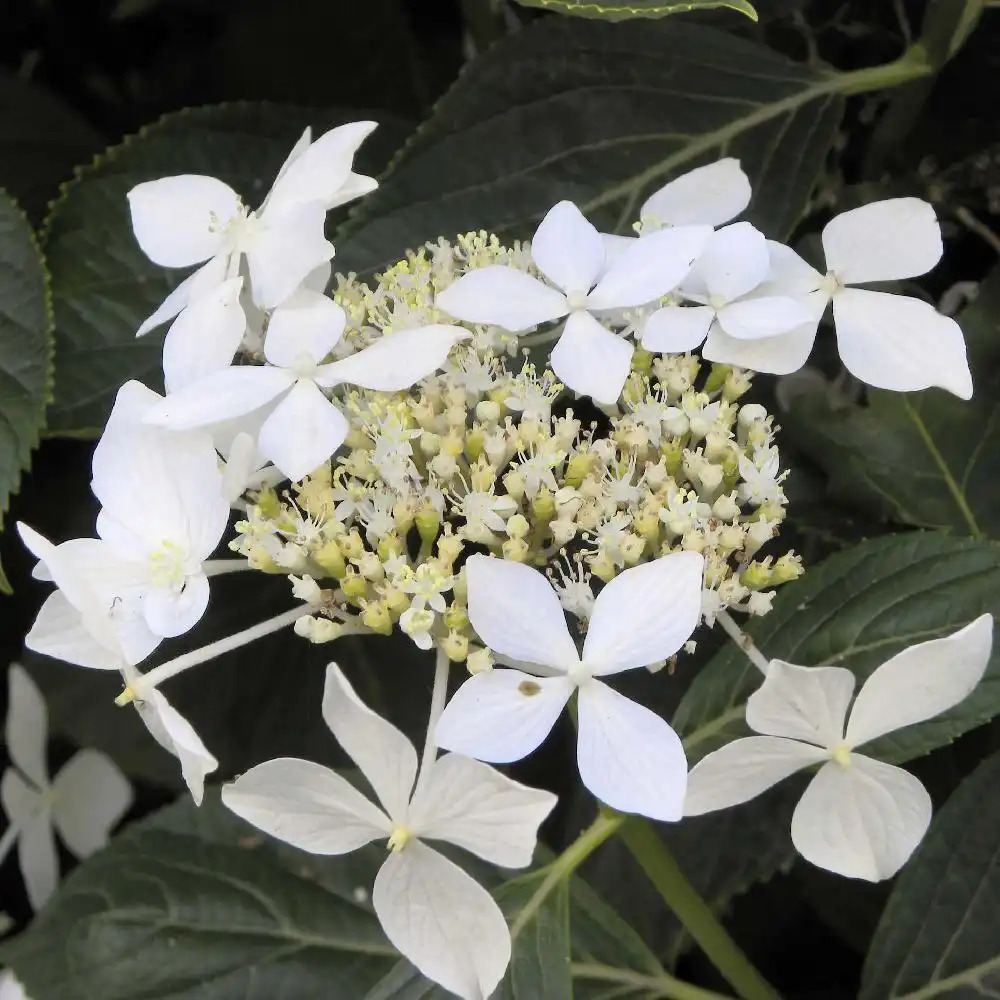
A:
(85, 801)
(303, 428)
(589, 358)
(95, 620)
(734, 264)
(443, 921)
(628, 756)
(710, 195)
(889, 341)
(190, 218)
(858, 817)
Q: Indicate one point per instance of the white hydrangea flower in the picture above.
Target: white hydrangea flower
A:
(735, 262)
(706, 196)
(443, 921)
(84, 802)
(572, 255)
(190, 218)
(890, 341)
(95, 620)
(628, 756)
(858, 817)
(304, 428)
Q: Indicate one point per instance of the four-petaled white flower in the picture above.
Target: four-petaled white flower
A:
(858, 817)
(628, 756)
(889, 341)
(95, 620)
(443, 921)
(734, 264)
(572, 254)
(190, 218)
(304, 429)
(84, 802)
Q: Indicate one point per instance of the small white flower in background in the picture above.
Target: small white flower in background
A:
(735, 263)
(163, 510)
(94, 620)
(571, 253)
(10, 987)
(628, 756)
(304, 428)
(443, 921)
(83, 803)
(706, 196)
(190, 218)
(858, 817)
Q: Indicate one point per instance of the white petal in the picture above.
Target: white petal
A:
(285, 251)
(780, 355)
(201, 282)
(649, 267)
(567, 249)
(709, 195)
(243, 461)
(788, 274)
(306, 805)
(91, 796)
(302, 433)
(922, 681)
(10, 987)
(59, 632)
(396, 360)
(477, 808)
(171, 613)
(645, 614)
(615, 246)
(36, 847)
(883, 241)
(443, 921)
(177, 736)
(802, 703)
(229, 393)
(591, 360)
(896, 342)
(205, 337)
(382, 753)
(676, 329)
(504, 296)
(863, 821)
(515, 612)
(756, 318)
(502, 715)
(179, 221)
(743, 769)
(27, 726)
(320, 171)
(628, 756)
(735, 262)
(306, 323)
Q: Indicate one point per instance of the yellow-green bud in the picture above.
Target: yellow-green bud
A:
(544, 505)
(788, 567)
(428, 522)
(736, 385)
(354, 585)
(269, 504)
(577, 469)
(376, 616)
(642, 361)
(515, 549)
(757, 575)
(449, 548)
(479, 661)
(456, 616)
(396, 600)
(455, 646)
(351, 544)
(517, 526)
(318, 630)
(716, 378)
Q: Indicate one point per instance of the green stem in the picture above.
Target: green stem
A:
(693, 912)
(557, 871)
(659, 987)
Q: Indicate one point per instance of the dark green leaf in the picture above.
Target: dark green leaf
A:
(924, 458)
(103, 285)
(856, 609)
(623, 10)
(939, 935)
(602, 115)
(25, 345)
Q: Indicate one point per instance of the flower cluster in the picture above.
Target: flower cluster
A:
(450, 477)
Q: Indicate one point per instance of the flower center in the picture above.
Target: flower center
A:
(831, 284)
(169, 567)
(841, 755)
(399, 837)
(576, 300)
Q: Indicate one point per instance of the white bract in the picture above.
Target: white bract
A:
(443, 921)
(858, 817)
(95, 619)
(706, 196)
(589, 358)
(734, 264)
(889, 341)
(628, 756)
(187, 219)
(85, 801)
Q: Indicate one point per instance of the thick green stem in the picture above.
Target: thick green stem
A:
(693, 912)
